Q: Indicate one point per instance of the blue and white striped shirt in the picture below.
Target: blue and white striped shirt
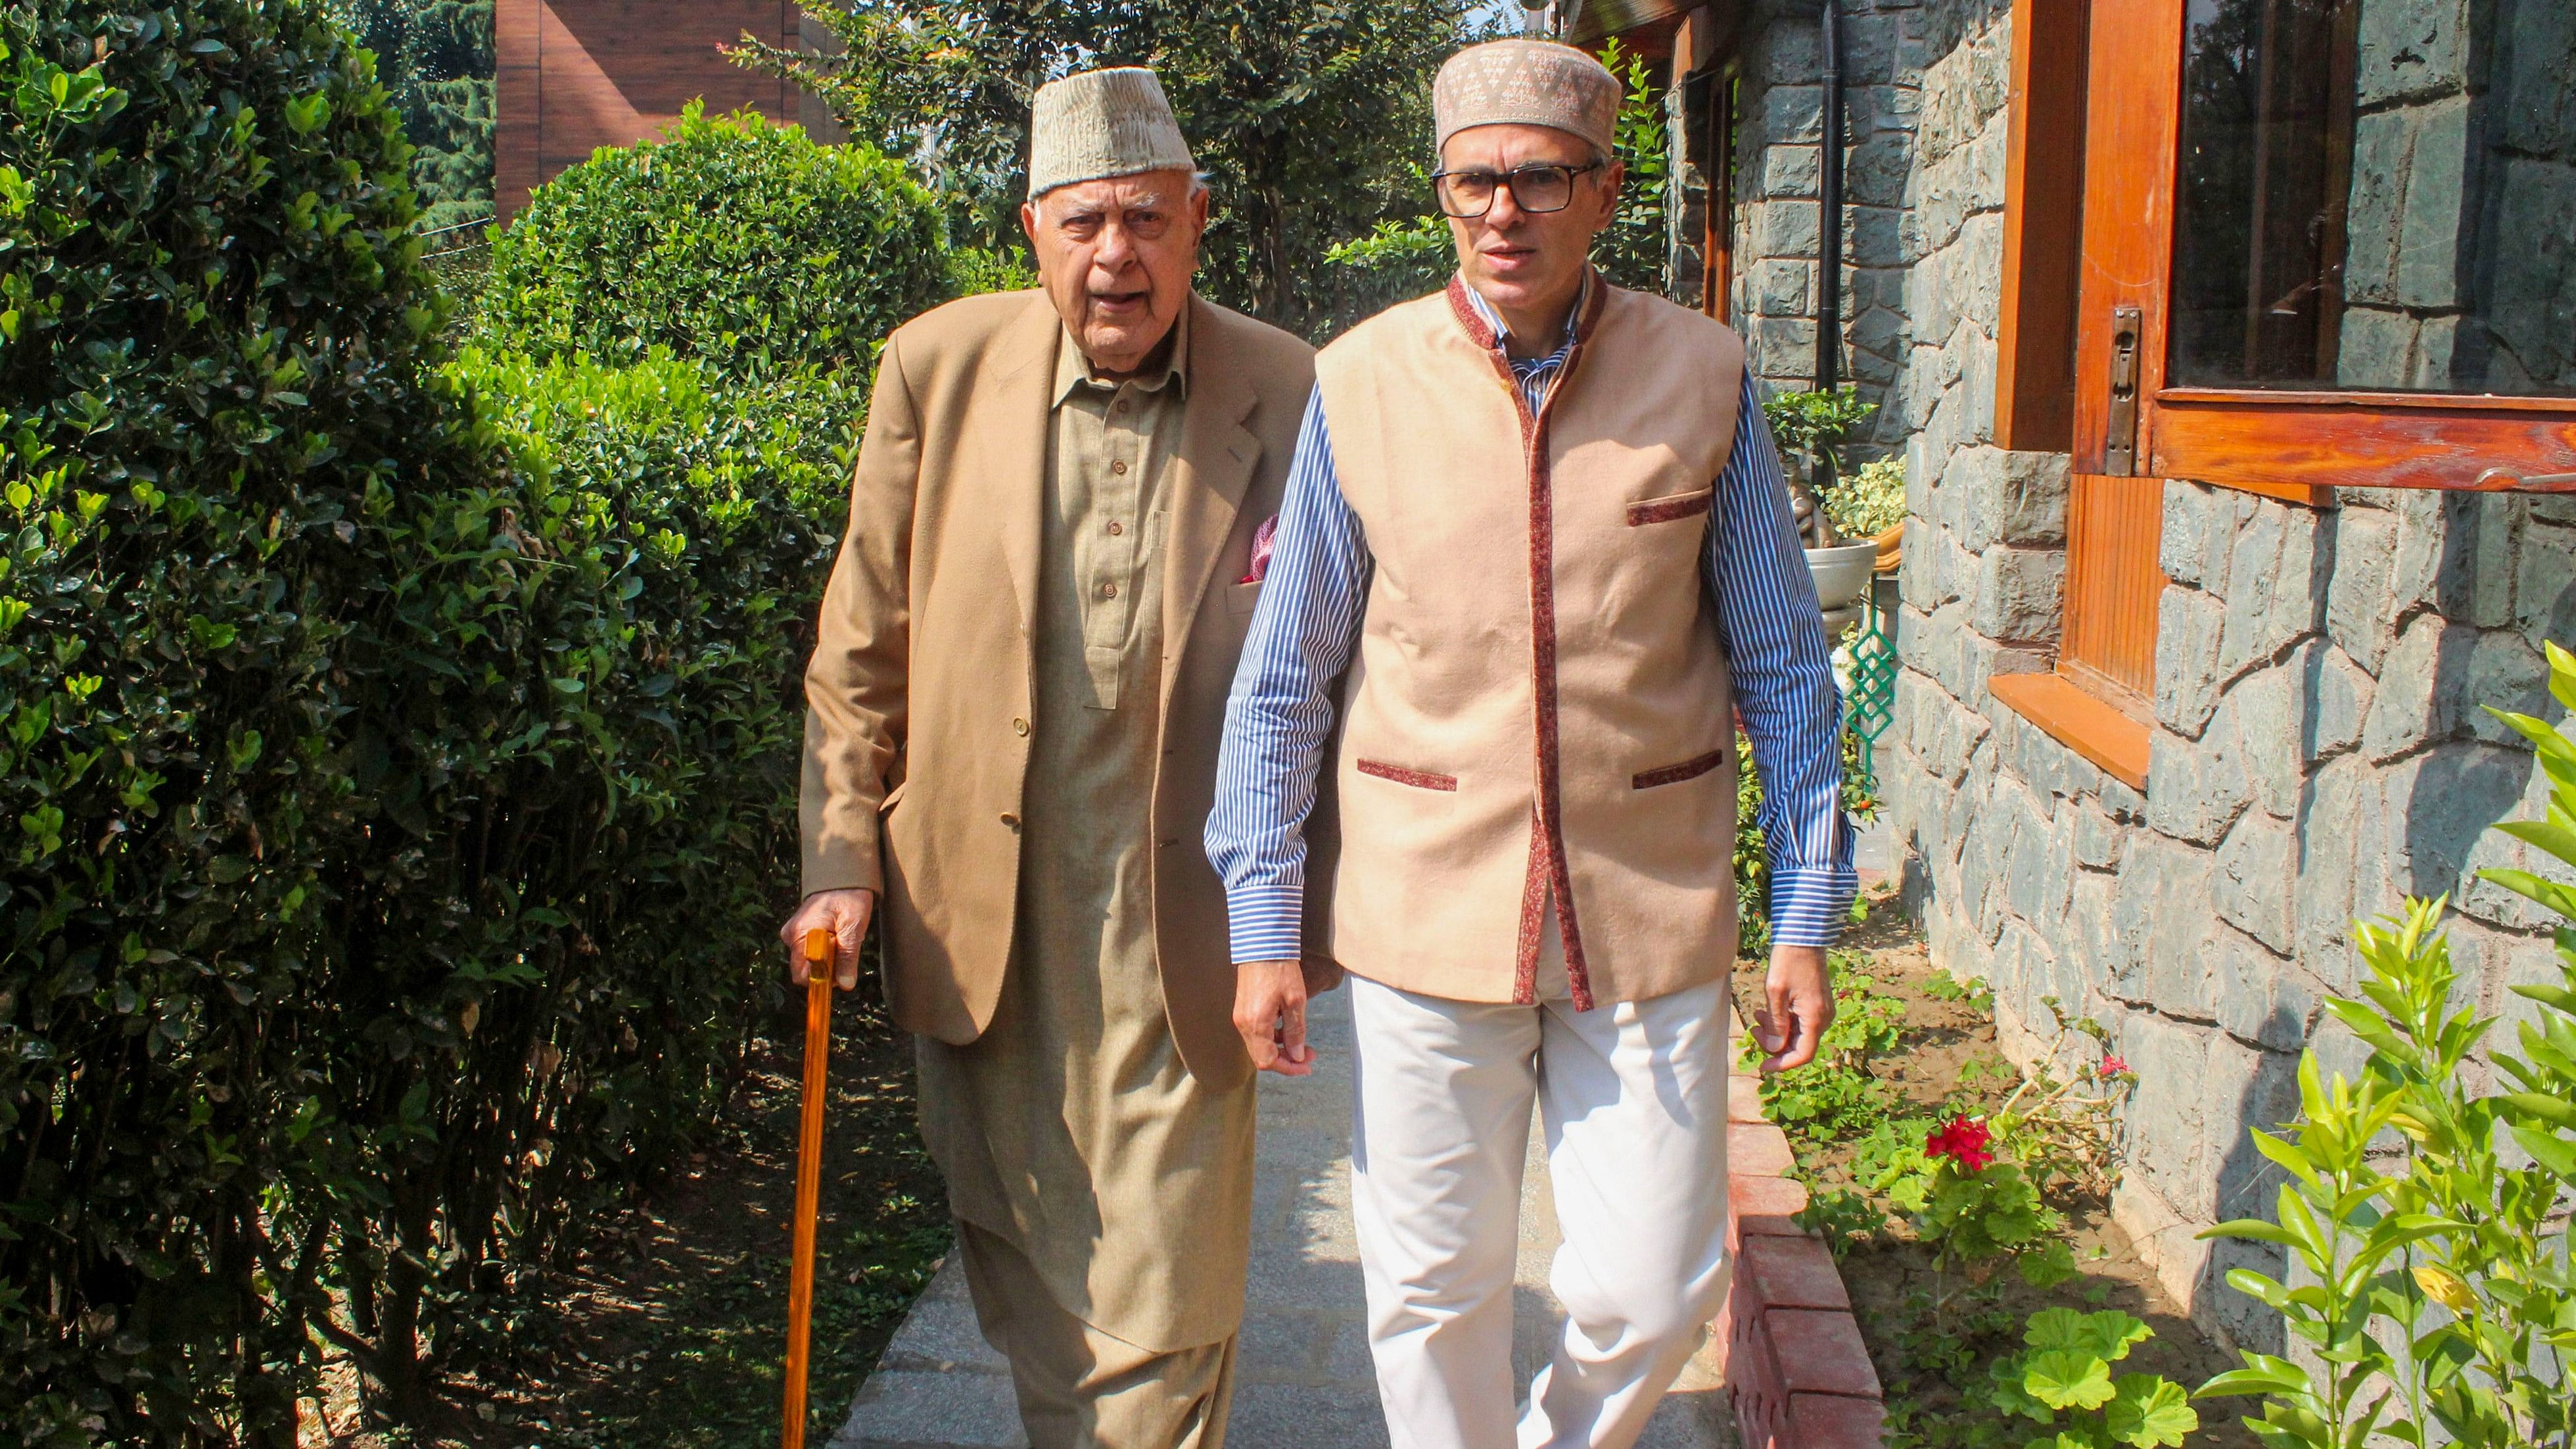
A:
(1307, 627)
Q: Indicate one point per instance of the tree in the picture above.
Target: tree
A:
(1311, 117)
(434, 57)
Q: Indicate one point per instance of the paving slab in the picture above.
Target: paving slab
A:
(1304, 1377)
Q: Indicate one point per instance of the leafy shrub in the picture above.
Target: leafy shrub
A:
(973, 271)
(2440, 1303)
(1397, 262)
(730, 238)
(402, 757)
(1635, 250)
(212, 330)
(1870, 501)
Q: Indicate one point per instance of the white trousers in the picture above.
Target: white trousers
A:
(1633, 1101)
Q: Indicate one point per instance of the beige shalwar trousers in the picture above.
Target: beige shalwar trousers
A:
(1081, 1388)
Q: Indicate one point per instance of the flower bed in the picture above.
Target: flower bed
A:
(1968, 1206)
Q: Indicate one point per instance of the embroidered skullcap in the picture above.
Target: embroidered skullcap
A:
(1102, 123)
(1529, 82)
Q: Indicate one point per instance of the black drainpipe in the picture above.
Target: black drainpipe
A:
(1829, 243)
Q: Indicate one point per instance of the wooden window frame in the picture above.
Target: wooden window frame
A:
(2294, 445)
(2043, 246)
(1717, 244)
(2090, 701)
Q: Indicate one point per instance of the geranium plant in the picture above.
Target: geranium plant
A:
(2062, 1379)
(1978, 1210)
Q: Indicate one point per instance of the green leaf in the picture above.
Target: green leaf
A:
(2148, 1410)
(2067, 1379)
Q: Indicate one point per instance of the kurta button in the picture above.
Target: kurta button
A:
(1019, 727)
(1119, 466)
(1109, 591)
(1116, 528)
(1010, 820)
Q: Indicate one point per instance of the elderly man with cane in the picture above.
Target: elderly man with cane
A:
(1015, 703)
(1536, 554)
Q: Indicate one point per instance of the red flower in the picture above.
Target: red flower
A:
(2115, 1067)
(1969, 1144)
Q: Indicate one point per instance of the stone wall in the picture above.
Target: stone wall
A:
(2318, 754)
(1905, 116)
(2459, 274)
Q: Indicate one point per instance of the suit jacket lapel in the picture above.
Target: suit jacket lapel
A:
(1010, 428)
(1208, 479)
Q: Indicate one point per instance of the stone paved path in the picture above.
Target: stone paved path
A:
(1304, 1378)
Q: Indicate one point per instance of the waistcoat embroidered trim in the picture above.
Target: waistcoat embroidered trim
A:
(1547, 872)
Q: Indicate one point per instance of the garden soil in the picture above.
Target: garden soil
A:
(670, 1333)
(1948, 1053)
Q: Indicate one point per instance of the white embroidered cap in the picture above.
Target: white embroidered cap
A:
(1100, 123)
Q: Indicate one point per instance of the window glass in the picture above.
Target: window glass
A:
(2377, 194)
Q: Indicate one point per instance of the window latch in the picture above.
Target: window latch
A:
(2120, 445)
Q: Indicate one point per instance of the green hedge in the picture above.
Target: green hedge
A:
(399, 753)
(731, 238)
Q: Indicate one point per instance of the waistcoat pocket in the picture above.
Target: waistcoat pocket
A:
(1670, 508)
(1690, 769)
(1419, 779)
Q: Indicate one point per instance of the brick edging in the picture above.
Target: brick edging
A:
(1796, 1367)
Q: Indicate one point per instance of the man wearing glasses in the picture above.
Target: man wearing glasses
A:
(1536, 552)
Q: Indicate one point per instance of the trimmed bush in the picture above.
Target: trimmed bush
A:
(731, 239)
(213, 415)
(400, 754)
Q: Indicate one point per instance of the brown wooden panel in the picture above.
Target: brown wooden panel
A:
(515, 104)
(2132, 86)
(2361, 442)
(1717, 248)
(575, 75)
(2079, 719)
(2294, 444)
(2043, 228)
(2114, 531)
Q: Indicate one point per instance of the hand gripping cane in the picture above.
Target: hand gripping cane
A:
(809, 1176)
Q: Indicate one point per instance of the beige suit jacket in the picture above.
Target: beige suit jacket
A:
(918, 696)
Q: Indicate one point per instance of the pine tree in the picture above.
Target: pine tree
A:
(435, 58)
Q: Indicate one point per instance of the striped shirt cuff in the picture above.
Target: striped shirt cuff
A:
(1265, 921)
(1809, 906)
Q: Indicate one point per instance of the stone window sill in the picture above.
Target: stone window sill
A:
(2079, 719)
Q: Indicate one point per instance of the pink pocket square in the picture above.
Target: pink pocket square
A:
(1262, 540)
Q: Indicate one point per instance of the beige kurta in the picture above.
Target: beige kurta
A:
(1070, 1128)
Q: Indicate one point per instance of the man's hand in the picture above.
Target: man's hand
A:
(845, 915)
(1800, 1005)
(1270, 1011)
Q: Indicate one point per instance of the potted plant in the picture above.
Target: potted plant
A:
(1810, 427)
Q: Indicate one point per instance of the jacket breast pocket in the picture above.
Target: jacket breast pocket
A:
(1671, 508)
(1239, 598)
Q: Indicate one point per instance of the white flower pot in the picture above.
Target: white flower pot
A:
(1842, 572)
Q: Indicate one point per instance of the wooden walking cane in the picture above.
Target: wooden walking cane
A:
(809, 1176)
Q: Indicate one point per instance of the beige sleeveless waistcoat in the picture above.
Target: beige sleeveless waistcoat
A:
(1539, 708)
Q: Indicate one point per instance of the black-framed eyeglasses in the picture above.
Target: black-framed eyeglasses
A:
(1538, 189)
